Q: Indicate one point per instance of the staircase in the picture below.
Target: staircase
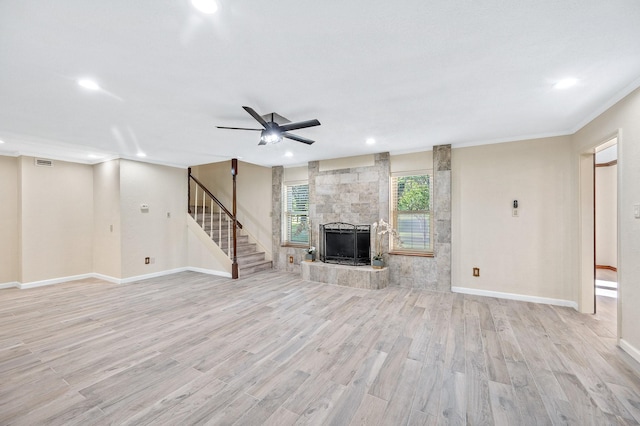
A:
(250, 260)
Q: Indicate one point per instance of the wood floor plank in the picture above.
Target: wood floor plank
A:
(583, 405)
(386, 381)
(479, 411)
(278, 394)
(453, 404)
(530, 404)
(496, 366)
(191, 349)
(504, 406)
(628, 398)
(403, 395)
(370, 411)
(353, 396)
(427, 396)
(321, 406)
(282, 417)
(418, 418)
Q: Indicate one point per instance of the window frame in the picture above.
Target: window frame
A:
(286, 215)
(393, 213)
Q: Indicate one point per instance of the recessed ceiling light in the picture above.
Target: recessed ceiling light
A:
(288, 154)
(141, 154)
(371, 141)
(207, 7)
(565, 83)
(88, 84)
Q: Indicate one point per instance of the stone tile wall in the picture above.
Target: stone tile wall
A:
(431, 273)
(353, 195)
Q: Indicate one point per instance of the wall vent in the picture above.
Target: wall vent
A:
(43, 162)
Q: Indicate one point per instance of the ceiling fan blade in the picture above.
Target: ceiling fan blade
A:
(299, 125)
(237, 128)
(262, 142)
(297, 138)
(256, 116)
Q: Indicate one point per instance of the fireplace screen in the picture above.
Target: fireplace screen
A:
(345, 243)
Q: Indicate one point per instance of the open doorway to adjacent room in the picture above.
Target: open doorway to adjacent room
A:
(606, 227)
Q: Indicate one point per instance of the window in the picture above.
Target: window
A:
(411, 210)
(296, 214)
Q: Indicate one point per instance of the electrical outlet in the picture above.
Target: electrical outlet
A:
(476, 272)
(290, 259)
(147, 260)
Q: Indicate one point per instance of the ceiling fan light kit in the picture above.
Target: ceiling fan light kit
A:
(268, 136)
(272, 132)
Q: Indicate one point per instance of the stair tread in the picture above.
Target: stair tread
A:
(249, 265)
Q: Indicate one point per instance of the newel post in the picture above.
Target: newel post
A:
(189, 190)
(234, 173)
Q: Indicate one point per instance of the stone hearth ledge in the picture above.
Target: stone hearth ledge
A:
(350, 276)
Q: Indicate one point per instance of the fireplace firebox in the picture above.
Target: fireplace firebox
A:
(345, 243)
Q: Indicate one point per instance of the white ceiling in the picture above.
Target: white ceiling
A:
(410, 74)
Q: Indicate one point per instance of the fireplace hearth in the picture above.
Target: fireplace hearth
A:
(345, 244)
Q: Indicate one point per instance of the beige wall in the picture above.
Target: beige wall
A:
(524, 255)
(150, 233)
(622, 117)
(253, 187)
(411, 162)
(8, 219)
(296, 174)
(107, 252)
(74, 219)
(56, 220)
(606, 216)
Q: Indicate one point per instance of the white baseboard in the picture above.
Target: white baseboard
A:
(630, 349)
(42, 283)
(107, 278)
(111, 279)
(174, 271)
(151, 275)
(208, 271)
(10, 285)
(513, 296)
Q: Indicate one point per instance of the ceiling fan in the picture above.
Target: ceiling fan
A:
(273, 132)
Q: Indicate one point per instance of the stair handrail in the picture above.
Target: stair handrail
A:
(213, 197)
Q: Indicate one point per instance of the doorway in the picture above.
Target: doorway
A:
(605, 228)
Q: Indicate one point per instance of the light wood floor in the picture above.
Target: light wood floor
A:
(272, 349)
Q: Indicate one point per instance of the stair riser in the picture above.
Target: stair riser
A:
(251, 258)
(254, 269)
(241, 239)
(242, 249)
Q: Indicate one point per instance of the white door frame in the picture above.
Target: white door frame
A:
(586, 197)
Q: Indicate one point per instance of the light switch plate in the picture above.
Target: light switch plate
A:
(636, 210)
